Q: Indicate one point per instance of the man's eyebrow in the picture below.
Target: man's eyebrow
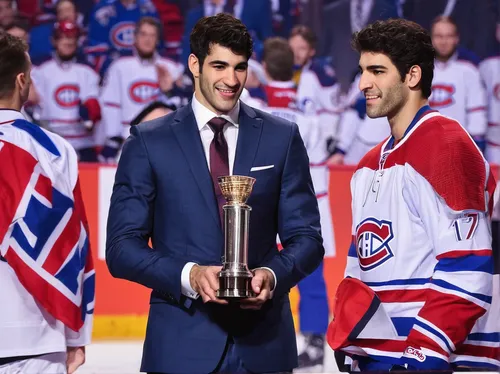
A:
(218, 62)
(376, 67)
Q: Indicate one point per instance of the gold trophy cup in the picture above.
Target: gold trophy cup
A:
(235, 277)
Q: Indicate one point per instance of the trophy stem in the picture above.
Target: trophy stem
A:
(235, 277)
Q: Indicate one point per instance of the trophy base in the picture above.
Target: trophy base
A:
(232, 288)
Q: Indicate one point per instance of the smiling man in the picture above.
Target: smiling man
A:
(166, 190)
(421, 257)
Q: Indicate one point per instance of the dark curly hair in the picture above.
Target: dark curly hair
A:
(13, 61)
(224, 30)
(405, 42)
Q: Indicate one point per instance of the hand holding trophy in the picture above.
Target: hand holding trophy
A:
(235, 277)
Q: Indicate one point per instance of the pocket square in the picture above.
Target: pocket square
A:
(257, 168)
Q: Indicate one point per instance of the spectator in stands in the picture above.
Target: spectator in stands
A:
(340, 19)
(111, 30)
(19, 29)
(475, 20)
(67, 91)
(457, 90)
(132, 83)
(490, 73)
(255, 14)
(41, 46)
(318, 89)
(7, 13)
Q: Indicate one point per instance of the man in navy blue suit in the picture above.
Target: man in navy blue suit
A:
(165, 191)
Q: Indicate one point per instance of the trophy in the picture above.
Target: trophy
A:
(235, 277)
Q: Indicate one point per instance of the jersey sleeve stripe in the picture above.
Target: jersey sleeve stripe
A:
(487, 337)
(447, 288)
(476, 109)
(466, 252)
(399, 282)
(430, 327)
(466, 263)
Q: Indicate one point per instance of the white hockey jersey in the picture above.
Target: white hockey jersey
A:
(490, 73)
(62, 87)
(46, 272)
(422, 242)
(279, 99)
(318, 93)
(131, 83)
(458, 92)
(358, 135)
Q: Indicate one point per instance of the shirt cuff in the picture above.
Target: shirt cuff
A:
(186, 288)
(275, 280)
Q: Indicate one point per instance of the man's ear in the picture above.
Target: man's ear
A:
(21, 79)
(414, 76)
(194, 65)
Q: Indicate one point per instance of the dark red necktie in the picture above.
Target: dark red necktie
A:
(219, 159)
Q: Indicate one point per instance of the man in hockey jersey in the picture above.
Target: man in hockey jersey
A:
(131, 84)
(279, 96)
(46, 273)
(111, 29)
(67, 93)
(419, 273)
(490, 73)
(318, 90)
(457, 89)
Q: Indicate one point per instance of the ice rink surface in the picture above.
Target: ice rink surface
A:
(124, 357)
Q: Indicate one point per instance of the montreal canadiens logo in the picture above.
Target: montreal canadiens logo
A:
(122, 35)
(143, 91)
(442, 95)
(372, 243)
(67, 95)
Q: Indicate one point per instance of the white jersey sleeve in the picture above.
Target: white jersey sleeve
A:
(348, 127)
(111, 102)
(459, 231)
(320, 96)
(476, 114)
(90, 86)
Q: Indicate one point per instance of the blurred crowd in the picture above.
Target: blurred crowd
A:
(101, 66)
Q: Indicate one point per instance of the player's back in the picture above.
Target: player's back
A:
(34, 161)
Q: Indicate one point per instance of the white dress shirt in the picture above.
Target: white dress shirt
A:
(203, 115)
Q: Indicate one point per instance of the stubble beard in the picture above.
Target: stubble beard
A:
(209, 93)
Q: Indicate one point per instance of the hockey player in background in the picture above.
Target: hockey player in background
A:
(457, 89)
(67, 91)
(47, 278)
(420, 269)
(279, 97)
(490, 73)
(131, 84)
(318, 90)
(111, 29)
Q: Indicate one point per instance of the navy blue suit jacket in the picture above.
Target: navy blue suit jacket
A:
(163, 191)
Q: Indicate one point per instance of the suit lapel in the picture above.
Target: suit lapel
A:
(250, 129)
(188, 136)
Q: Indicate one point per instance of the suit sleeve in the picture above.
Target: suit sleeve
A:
(130, 224)
(298, 220)
(460, 290)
